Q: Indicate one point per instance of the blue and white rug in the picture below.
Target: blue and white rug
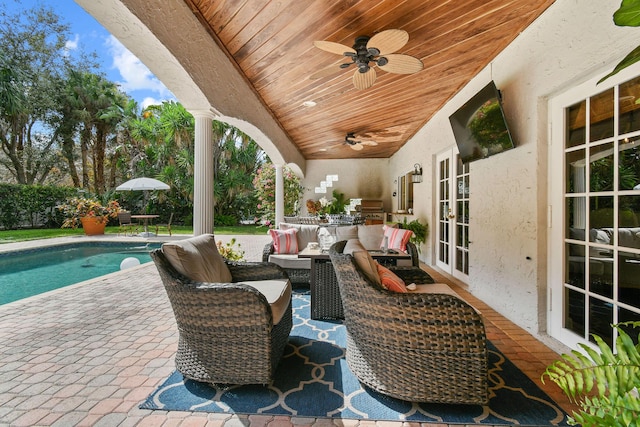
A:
(313, 380)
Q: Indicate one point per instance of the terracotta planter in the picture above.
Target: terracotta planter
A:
(93, 225)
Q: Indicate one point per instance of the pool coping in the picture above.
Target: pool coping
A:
(56, 241)
(74, 244)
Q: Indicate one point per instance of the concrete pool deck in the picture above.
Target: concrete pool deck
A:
(89, 354)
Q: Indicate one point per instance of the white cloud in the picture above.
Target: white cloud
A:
(150, 101)
(71, 45)
(135, 75)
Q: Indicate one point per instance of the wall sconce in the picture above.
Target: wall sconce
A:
(417, 173)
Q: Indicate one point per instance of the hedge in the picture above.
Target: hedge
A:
(31, 206)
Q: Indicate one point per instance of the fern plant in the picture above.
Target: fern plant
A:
(420, 231)
(603, 383)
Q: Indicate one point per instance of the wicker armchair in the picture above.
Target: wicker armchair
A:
(421, 347)
(226, 331)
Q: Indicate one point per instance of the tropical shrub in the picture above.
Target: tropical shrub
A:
(225, 220)
(32, 205)
(264, 183)
(228, 251)
(603, 383)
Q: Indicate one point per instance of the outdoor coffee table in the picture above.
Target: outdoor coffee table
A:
(325, 293)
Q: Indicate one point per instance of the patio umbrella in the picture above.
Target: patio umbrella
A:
(142, 184)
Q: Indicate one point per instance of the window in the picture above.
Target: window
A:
(596, 205)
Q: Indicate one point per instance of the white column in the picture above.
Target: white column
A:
(203, 173)
(279, 195)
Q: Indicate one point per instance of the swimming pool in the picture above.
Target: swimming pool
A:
(35, 271)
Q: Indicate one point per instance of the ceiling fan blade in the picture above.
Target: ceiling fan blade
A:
(327, 72)
(357, 146)
(389, 41)
(333, 47)
(364, 80)
(372, 143)
(401, 64)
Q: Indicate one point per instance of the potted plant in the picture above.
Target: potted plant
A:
(89, 212)
(420, 231)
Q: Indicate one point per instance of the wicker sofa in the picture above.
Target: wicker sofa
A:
(423, 346)
(233, 319)
(299, 269)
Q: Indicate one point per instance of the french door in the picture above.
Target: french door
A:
(452, 227)
(594, 240)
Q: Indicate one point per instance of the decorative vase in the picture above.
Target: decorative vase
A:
(93, 225)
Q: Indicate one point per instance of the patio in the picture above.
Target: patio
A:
(89, 354)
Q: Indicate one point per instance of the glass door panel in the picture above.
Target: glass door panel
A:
(444, 224)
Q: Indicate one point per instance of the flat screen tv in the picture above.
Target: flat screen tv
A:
(480, 127)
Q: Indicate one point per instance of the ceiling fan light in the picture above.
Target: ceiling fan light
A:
(382, 61)
(373, 51)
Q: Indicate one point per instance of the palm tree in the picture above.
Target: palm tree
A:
(94, 98)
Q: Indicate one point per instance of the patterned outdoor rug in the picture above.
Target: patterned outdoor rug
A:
(313, 380)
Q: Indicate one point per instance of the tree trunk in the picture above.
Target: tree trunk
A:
(99, 150)
(67, 148)
(85, 139)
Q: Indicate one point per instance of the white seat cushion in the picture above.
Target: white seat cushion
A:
(290, 261)
(278, 295)
(434, 288)
(438, 288)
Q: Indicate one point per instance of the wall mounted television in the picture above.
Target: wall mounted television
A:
(479, 126)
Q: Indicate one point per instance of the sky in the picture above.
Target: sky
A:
(116, 62)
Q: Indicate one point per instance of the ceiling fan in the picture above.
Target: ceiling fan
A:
(368, 51)
(358, 144)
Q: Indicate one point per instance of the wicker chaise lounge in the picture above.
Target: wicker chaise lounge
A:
(416, 346)
(233, 327)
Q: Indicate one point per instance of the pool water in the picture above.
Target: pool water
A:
(27, 273)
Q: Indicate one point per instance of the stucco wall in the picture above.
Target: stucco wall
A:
(571, 41)
(366, 179)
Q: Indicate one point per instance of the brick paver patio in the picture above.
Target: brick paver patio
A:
(89, 354)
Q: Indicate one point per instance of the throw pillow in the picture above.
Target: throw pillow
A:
(369, 236)
(367, 266)
(198, 259)
(346, 232)
(390, 281)
(284, 241)
(305, 233)
(398, 238)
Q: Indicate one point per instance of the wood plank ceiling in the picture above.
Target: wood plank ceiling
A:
(271, 42)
